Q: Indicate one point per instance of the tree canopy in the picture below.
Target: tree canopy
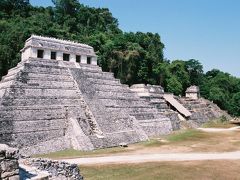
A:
(132, 57)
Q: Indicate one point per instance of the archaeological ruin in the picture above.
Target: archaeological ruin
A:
(57, 98)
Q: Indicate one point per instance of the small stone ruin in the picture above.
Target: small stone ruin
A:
(193, 92)
(12, 167)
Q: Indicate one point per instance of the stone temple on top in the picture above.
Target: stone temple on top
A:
(56, 49)
(57, 97)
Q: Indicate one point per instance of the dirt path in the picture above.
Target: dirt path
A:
(155, 158)
(237, 128)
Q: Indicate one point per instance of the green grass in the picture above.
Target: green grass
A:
(187, 135)
(71, 153)
(194, 170)
(151, 143)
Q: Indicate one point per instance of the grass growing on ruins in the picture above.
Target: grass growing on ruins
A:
(194, 170)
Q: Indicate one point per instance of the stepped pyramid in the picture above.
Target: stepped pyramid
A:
(58, 98)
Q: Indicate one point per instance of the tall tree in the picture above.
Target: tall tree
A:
(195, 71)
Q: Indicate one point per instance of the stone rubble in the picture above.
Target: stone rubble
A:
(55, 169)
(9, 167)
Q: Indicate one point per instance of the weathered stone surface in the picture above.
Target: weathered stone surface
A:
(9, 168)
(202, 111)
(153, 95)
(56, 169)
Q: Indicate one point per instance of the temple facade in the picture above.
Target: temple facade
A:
(39, 47)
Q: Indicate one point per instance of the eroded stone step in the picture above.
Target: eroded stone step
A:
(16, 92)
(101, 75)
(103, 81)
(107, 87)
(142, 116)
(31, 112)
(116, 94)
(122, 102)
(34, 137)
(40, 102)
(45, 69)
(30, 125)
(43, 62)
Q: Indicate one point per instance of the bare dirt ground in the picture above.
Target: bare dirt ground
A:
(141, 158)
(209, 144)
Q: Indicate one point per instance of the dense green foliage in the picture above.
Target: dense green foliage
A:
(132, 57)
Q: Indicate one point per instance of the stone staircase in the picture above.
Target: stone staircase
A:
(113, 102)
(153, 95)
(202, 110)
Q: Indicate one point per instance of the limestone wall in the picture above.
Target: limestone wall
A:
(9, 169)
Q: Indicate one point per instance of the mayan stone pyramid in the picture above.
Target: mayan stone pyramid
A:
(58, 98)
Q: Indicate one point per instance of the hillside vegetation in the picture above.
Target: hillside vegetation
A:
(132, 57)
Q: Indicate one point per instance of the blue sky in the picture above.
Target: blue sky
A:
(206, 30)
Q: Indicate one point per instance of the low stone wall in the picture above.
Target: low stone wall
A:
(59, 169)
(9, 168)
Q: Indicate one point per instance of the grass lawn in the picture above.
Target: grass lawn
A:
(188, 170)
(188, 135)
(71, 153)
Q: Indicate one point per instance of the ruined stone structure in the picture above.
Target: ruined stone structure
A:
(193, 92)
(58, 98)
(154, 95)
(190, 111)
(14, 168)
(202, 111)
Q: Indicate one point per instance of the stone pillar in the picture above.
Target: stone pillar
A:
(33, 53)
(72, 58)
(59, 56)
(94, 61)
(83, 59)
(47, 54)
(9, 168)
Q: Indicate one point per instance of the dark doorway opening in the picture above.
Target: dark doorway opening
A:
(66, 57)
(40, 53)
(88, 60)
(53, 55)
(78, 58)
